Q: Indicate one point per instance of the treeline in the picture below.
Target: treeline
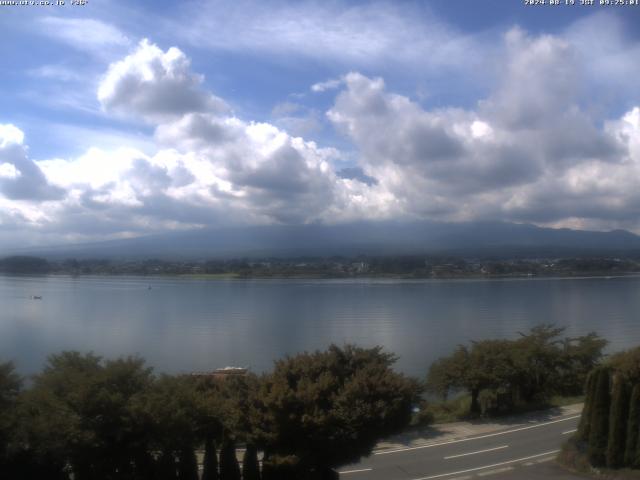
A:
(500, 375)
(24, 265)
(87, 418)
(407, 266)
(84, 417)
(609, 431)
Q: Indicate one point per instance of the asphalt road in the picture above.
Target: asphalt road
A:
(519, 447)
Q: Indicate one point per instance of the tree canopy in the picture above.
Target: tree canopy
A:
(499, 374)
(330, 408)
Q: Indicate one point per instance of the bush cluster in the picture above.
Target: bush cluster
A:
(502, 375)
(87, 418)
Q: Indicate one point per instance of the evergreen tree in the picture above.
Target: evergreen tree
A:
(188, 464)
(633, 428)
(210, 463)
(599, 430)
(250, 466)
(585, 419)
(229, 468)
(618, 422)
(268, 472)
(167, 467)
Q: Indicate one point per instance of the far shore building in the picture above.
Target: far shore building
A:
(222, 373)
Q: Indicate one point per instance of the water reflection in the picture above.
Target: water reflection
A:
(183, 325)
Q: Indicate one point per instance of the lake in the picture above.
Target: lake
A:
(182, 325)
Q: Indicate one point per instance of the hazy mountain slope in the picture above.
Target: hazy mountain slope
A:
(486, 238)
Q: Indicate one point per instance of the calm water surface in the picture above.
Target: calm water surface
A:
(180, 325)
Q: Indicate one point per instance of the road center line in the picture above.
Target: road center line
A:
(356, 471)
(487, 466)
(479, 451)
(569, 431)
(387, 452)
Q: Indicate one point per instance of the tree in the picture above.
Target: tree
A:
(527, 370)
(627, 363)
(633, 428)
(210, 462)
(580, 356)
(585, 418)
(229, 468)
(539, 359)
(250, 465)
(330, 408)
(618, 417)
(10, 386)
(599, 430)
(170, 410)
(187, 464)
(493, 367)
(24, 264)
(447, 373)
(80, 411)
(167, 468)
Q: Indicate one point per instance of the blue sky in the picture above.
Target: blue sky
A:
(126, 118)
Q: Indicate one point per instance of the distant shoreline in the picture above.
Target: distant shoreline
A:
(236, 276)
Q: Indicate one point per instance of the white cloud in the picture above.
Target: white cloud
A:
(348, 34)
(94, 36)
(155, 86)
(8, 170)
(57, 72)
(20, 178)
(527, 152)
(331, 84)
(10, 134)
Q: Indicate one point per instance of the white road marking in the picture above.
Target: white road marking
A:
(488, 466)
(479, 451)
(569, 431)
(356, 471)
(387, 452)
(493, 472)
(542, 460)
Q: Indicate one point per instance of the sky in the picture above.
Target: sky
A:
(120, 118)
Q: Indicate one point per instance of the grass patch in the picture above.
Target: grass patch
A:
(457, 409)
(573, 456)
(449, 411)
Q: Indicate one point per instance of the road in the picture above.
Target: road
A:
(519, 447)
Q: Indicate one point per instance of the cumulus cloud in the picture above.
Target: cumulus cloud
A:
(155, 85)
(20, 177)
(208, 168)
(526, 152)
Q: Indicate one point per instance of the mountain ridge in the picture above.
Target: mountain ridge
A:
(359, 238)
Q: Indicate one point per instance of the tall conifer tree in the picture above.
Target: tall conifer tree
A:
(599, 430)
(618, 417)
(210, 463)
(633, 428)
(229, 468)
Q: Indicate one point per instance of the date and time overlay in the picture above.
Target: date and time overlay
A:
(532, 3)
(43, 3)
